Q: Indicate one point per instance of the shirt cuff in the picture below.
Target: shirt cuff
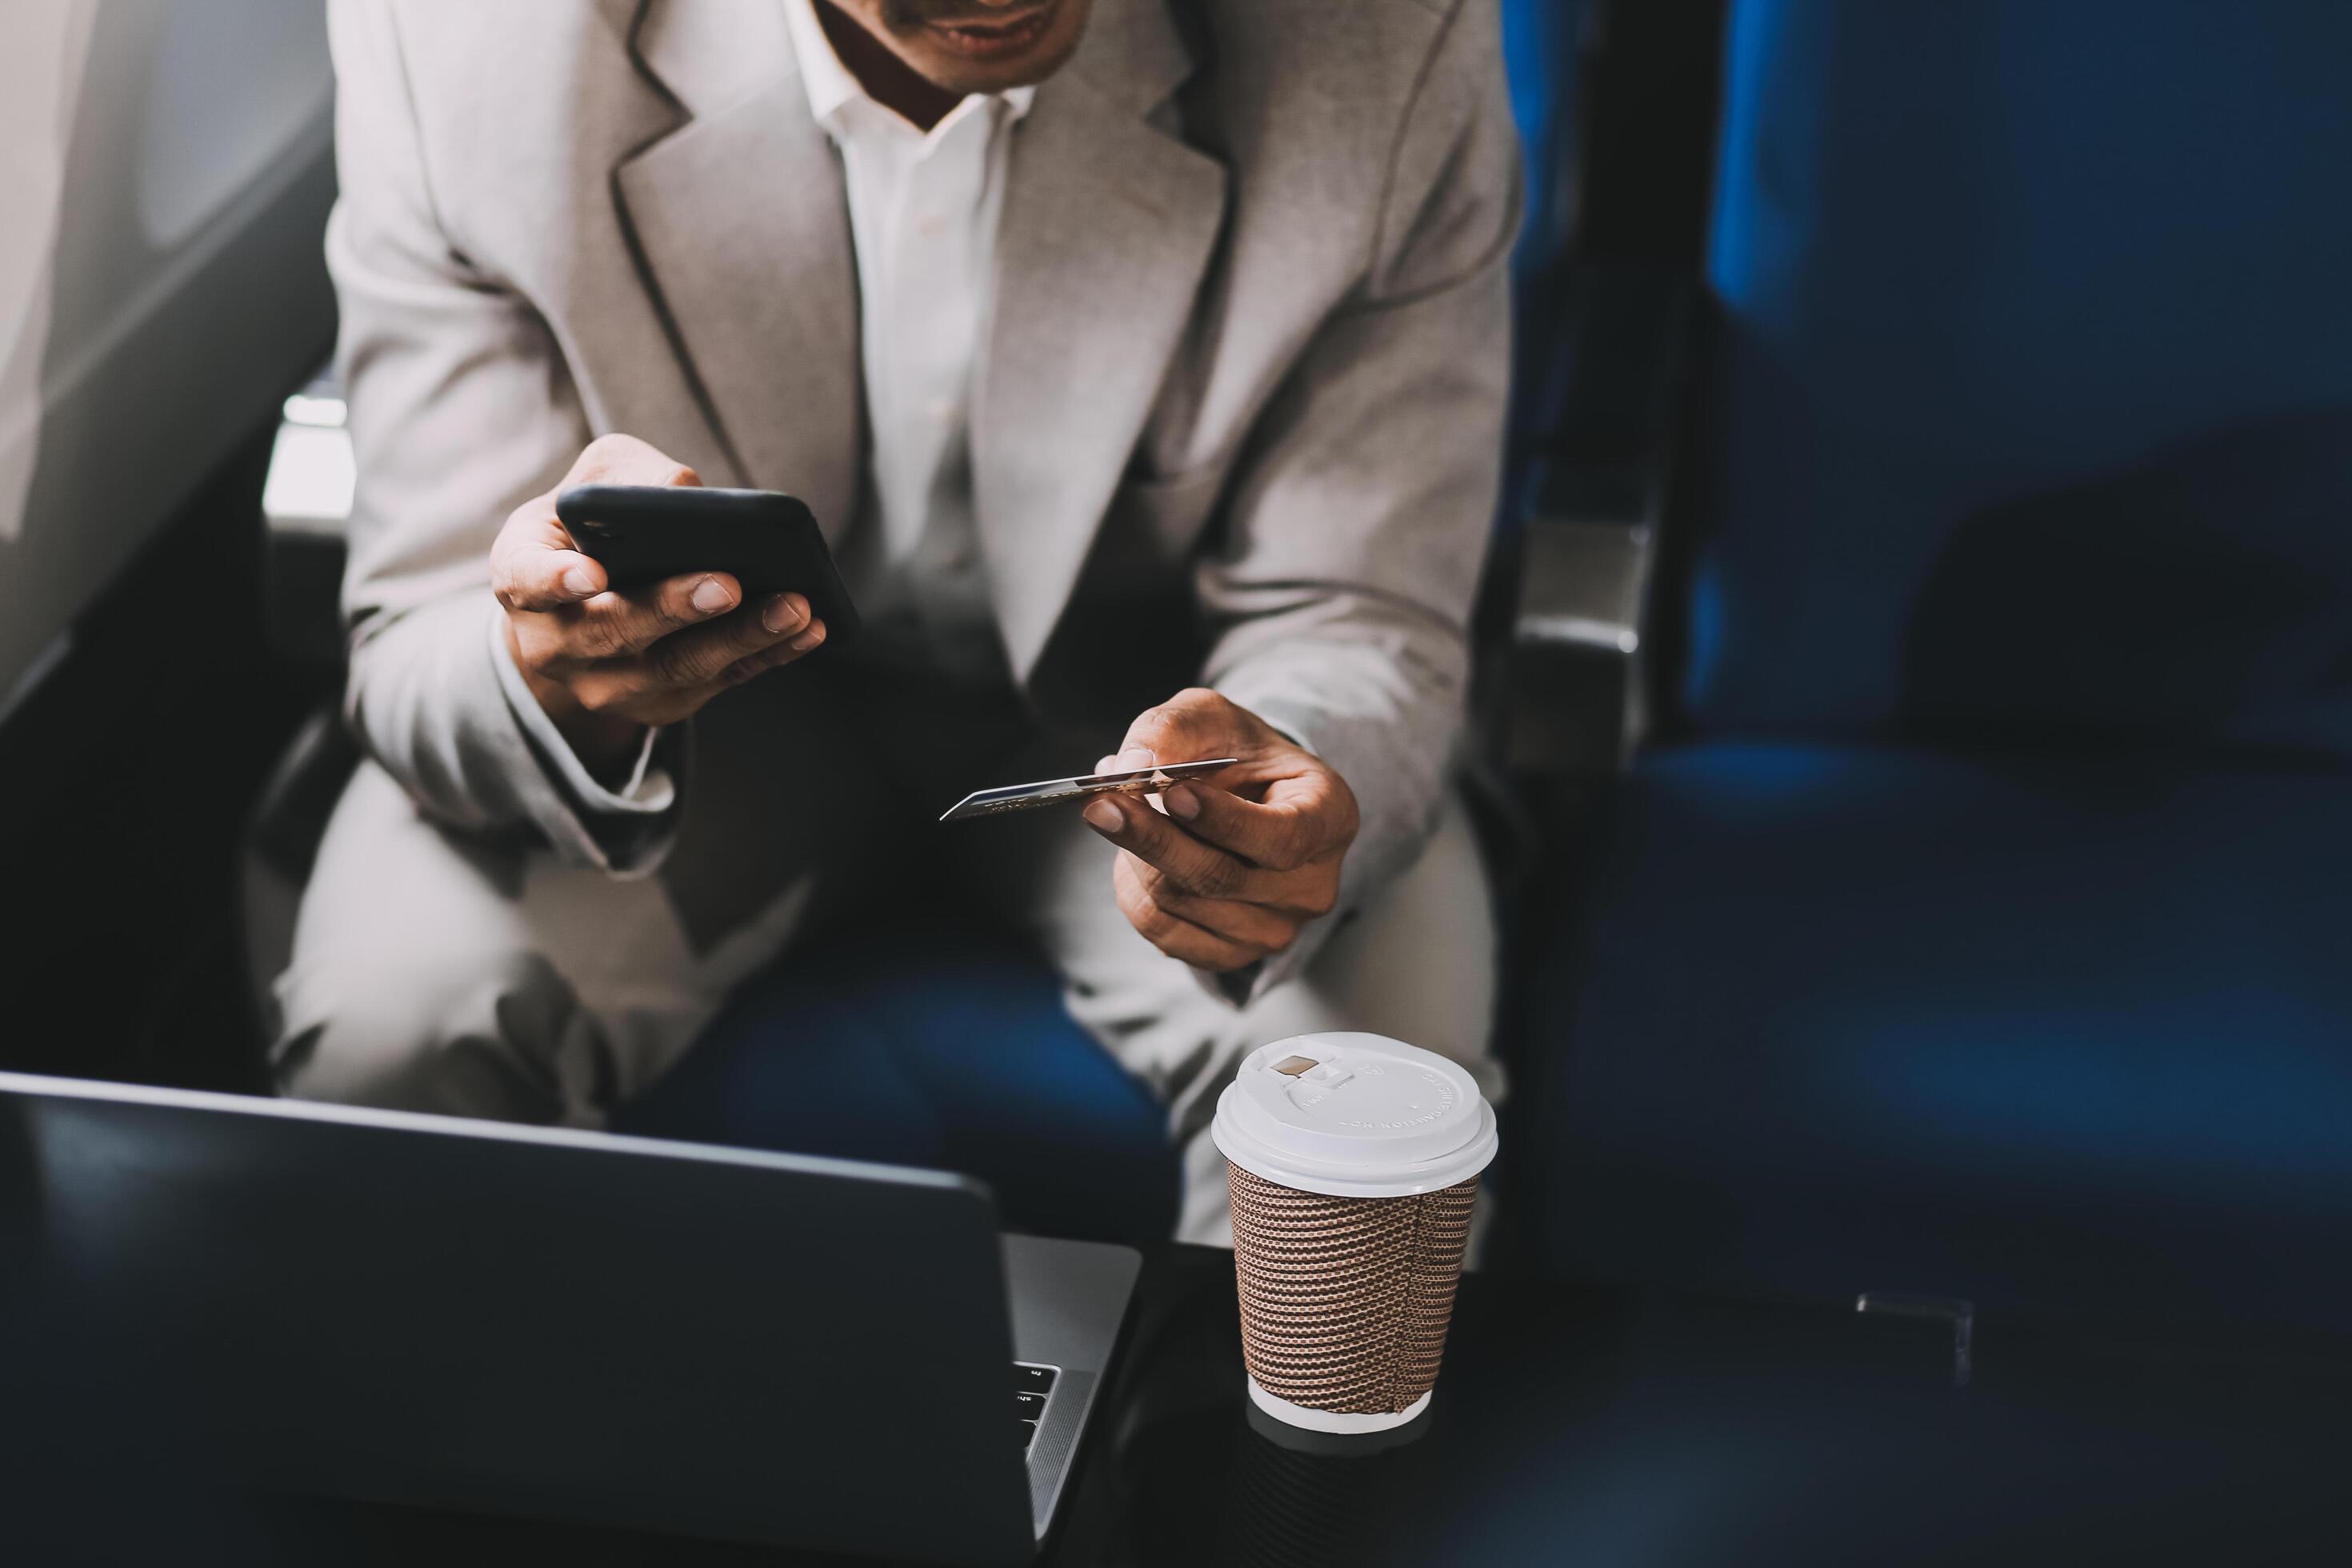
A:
(649, 791)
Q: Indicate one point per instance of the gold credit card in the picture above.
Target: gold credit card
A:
(1046, 792)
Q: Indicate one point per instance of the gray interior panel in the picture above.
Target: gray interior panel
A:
(191, 293)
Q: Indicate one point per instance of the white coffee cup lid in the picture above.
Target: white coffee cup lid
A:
(1355, 1116)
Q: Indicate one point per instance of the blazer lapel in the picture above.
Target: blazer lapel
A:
(739, 224)
(1106, 227)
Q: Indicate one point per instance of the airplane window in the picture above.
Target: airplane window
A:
(156, 156)
(202, 145)
(40, 78)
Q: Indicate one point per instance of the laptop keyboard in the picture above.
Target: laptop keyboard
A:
(1031, 1385)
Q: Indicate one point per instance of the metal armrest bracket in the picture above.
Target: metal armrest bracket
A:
(1587, 537)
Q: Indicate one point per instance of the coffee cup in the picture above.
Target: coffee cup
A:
(1353, 1162)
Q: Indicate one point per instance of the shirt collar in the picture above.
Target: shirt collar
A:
(830, 86)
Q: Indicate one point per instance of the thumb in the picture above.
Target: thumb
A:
(533, 565)
(619, 459)
(1195, 723)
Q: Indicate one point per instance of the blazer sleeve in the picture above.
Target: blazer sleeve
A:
(1357, 524)
(461, 408)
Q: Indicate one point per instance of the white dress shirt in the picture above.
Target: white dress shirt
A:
(923, 212)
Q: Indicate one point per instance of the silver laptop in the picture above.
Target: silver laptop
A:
(554, 1323)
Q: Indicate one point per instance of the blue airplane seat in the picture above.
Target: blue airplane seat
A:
(936, 1048)
(2057, 1032)
(2033, 375)
(1538, 56)
(1976, 923)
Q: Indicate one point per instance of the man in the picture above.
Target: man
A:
(1144, 361)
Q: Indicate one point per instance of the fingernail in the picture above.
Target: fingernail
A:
(1103, 816)
(579, 581)
(1136, 757)
(807, 639)
(1181, 801)
(711, 596)
(782, 610)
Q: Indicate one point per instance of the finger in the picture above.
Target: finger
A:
(1177, 937)
(776, 658)
(534, 567)
(618, 459)
(1195, 866)
(1247, 925)
(625, 623)
(1126, 761)
(1195, 722)
(699, 656)
(1298, 822)
(1302, 895)
(705, 653)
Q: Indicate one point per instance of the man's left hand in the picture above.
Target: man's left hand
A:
(1244, 858)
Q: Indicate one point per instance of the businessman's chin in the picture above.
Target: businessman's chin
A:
(989, 50)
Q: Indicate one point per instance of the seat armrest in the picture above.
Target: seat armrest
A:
(306, 505)
(1585, 539)
(1574, 684)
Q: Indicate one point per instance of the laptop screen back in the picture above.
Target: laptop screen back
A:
(543, 1323)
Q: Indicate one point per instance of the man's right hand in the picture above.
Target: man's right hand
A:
(606, 665)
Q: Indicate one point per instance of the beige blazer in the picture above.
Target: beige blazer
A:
(1236, 418)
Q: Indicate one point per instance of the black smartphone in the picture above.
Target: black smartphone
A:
(768, 542)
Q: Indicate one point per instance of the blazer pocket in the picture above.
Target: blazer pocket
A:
(1166, 514)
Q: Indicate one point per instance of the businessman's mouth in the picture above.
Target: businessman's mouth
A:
(997, 38)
